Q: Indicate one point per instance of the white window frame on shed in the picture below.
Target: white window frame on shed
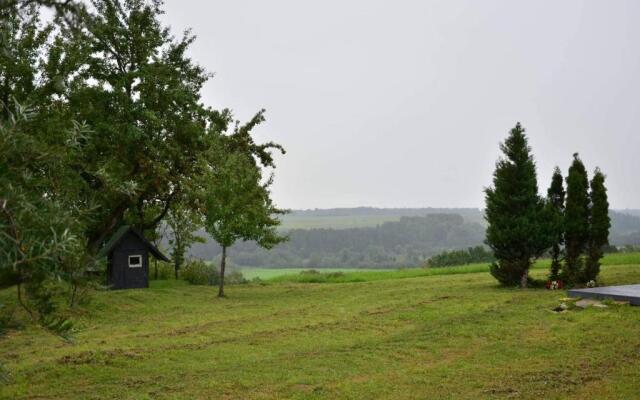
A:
(139, 265)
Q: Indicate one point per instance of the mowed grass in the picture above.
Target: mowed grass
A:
(454, 336)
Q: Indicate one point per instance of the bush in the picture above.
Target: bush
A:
(200, 273)
(471, 255)
(310, 272)
(165, 270)
(234, 277)
(5, 318)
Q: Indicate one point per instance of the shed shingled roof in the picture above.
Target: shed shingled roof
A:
(117, 237)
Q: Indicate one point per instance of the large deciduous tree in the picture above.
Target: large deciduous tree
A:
(576, 220)
(516, 231)
(143, 145)
(133, 84)
(555, 215)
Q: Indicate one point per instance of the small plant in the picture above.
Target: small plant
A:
(236, 277)
(309, 272)
(200, 273)
(5, 318)
(591, 284)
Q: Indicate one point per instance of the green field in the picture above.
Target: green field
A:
(454, 336)
(345, 219)
(270, 273)
(334, 221)
(328, 275)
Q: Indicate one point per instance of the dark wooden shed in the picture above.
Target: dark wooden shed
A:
(127, 255)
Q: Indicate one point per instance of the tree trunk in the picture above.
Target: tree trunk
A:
(178, 255)
(524, 278)
(222, 266)
(19, 286)
(555, 262)
(74, 292)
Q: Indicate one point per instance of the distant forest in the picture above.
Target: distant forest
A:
(379, 238)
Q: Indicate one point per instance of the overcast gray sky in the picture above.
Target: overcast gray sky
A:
(403, 103)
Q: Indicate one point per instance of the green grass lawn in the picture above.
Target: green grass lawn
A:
(456, 336)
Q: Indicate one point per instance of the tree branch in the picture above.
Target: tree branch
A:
(163, 213)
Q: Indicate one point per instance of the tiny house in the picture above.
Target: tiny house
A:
(127, 255)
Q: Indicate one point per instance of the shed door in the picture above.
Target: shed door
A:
(118, 270)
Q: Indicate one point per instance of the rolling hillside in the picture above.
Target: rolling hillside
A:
(378, 238)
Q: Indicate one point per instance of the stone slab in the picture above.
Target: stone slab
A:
(630, 293)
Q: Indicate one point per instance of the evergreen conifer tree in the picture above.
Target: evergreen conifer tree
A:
(576, 220)
(599, 224)
(515, 212)
(555, 209)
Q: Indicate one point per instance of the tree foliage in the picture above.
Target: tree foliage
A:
(407, 242)
(238, 200)
(516, 232)
(38, 224)
(470, 255)
(599, 225)
(576, 220)
(131, 81)
(140, 153)
(555, 213)
(184, 224)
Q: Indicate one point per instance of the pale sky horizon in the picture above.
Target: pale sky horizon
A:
(404, 103)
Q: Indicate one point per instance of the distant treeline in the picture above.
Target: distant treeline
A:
(625, 228)
(408, 242)
(469, 214)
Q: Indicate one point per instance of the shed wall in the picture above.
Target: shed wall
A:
(122, 276)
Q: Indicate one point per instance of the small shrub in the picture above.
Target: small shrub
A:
(235, 277)
(258, 281)
(165, 270)
(6, 315)
(310, 272)
(200, 273)
(470, 255)
(335, 274)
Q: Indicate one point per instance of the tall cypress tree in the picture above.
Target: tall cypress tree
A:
(599, 224)
(576, 220)
(555, 209)
(514, 212)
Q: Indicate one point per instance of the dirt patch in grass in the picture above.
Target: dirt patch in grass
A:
(100, 357)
